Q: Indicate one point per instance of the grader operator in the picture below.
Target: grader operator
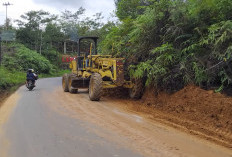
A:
(95, 72)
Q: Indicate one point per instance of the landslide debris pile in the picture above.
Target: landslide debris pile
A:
(196, 109)
(192, 109)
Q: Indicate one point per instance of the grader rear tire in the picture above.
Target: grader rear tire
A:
(95, 87)
(136, 91)
(70, 88)
(65, 82)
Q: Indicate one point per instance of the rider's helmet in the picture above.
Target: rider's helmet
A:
(30, 70)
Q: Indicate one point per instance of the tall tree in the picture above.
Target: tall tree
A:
(30, 27)
(131, 8)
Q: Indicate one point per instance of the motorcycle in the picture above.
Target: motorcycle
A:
(30, 85)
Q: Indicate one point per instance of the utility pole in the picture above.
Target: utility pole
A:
(0, 51)
(40, 47)
(6, 4)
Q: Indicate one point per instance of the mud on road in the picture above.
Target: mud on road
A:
(196, 111)
(149, 126)
(140, 122)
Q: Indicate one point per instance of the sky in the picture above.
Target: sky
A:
(19, 7)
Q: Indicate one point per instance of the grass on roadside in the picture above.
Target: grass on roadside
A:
(9, 79)
(54, 74)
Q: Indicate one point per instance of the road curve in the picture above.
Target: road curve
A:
(47, 122)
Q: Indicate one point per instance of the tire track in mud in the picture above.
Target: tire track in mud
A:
(217, 135)
(97, 114)
(132, 129)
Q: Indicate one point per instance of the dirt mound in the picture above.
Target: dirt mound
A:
(3, 96)
(206, 112)
(192, 109)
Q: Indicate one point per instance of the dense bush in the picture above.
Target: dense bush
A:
(52, 55)
(25, 58)
(173, 43)
(10, 78)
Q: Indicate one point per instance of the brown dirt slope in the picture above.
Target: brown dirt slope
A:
(198, 111)
(203, 113)
(3, 96)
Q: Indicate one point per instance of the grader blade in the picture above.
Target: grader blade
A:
(80, 82)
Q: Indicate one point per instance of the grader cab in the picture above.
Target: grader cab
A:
(96, 72)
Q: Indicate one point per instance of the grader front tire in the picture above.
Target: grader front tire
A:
(136, 91)
(95, 87)
(70, 88)
(65, 82)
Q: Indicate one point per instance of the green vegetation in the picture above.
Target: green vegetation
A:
(9, 79)
(15, 65)
(168, 43)
(45, 32)
(24, 59)
(174, 43)
(40, 38)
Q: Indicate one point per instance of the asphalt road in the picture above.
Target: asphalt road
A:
(46, 122)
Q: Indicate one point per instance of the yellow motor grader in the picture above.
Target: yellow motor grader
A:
(96, 72)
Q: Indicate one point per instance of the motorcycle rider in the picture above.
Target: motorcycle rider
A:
(31, 76)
